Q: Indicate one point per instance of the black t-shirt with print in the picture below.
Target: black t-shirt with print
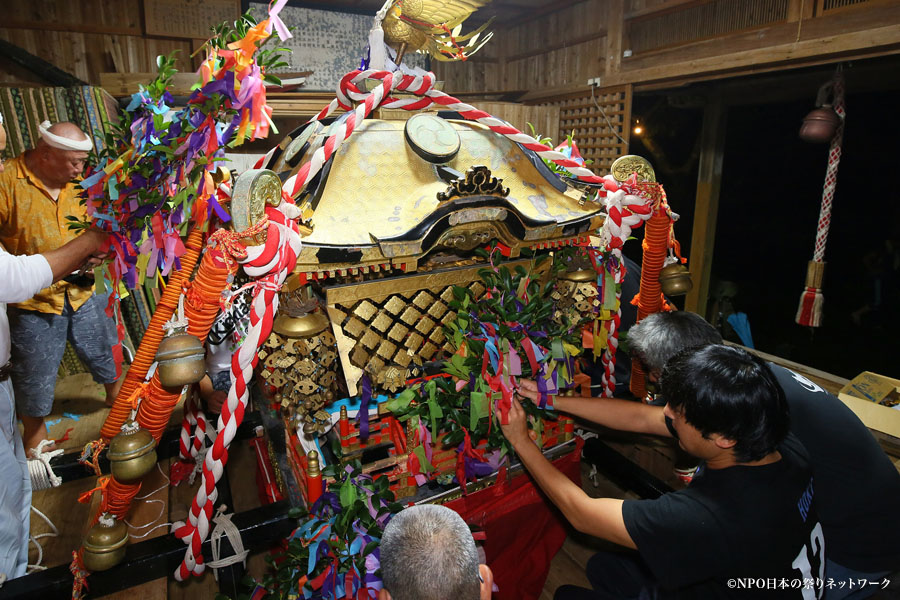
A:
(857, 486)
(756, 522)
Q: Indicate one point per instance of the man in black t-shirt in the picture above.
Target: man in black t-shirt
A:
(857, 486)
(747, 522)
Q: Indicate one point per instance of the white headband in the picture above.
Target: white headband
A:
(64, 143)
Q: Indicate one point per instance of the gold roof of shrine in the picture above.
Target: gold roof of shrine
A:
(390, 195)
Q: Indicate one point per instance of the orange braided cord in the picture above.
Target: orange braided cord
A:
(146, 352)
(201, 307)
(656, 246)
(119, 496)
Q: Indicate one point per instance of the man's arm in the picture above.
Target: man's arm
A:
(25, 276)
(600, 517)
(615, 413)
(73, 254)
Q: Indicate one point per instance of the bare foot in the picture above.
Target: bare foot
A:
(34, 432)
(41, 449)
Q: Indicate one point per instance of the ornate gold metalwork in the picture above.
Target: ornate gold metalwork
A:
(389, 328)
(303, 371)
(253, 190)
(624, 166)
(477, 182)
(465, 238)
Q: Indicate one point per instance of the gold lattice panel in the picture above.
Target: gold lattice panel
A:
(384, 327)
(601, 125)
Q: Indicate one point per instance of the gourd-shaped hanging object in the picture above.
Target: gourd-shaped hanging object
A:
(181, 359)
(132, 453)
(104, 544)
(675, 280)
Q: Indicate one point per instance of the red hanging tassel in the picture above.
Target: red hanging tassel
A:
(812, 302)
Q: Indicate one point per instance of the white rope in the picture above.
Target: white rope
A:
(162, 508)
(178, 320)
(34, 539)
(225, 527)
(42, 475)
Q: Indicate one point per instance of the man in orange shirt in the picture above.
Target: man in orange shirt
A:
(36, 195)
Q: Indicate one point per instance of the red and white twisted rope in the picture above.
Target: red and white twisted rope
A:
(834, 160)
(624, 212)
(269, 264)
(194, 430)
(188, 425)
(423, 86)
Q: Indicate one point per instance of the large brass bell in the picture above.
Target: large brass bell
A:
(675, 280)
(104, 545)
(181, 359)
(132, 453)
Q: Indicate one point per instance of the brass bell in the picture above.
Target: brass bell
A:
(181, 359)
(304, 326)
(820, 125)
(579, 275)
(132, 453)
(104, 545)
(675, 280)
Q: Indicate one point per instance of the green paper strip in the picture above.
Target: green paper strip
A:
(426, 466)
(348, 494)
(401, 402)
(434, 408)
(609, 292)
(539, 428)
(477, 408)
(100, 275)
(557, 350)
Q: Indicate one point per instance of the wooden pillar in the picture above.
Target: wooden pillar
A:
(706, 205)
(800, 10)
(615, 24)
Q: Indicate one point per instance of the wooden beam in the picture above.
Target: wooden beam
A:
(841, 36)
(37, 65)
(72, 27)
(706, 205)
(663, 8)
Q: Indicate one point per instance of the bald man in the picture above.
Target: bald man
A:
(37, 195)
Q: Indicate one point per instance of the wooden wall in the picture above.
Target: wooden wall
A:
(670, 42)
(89, 37)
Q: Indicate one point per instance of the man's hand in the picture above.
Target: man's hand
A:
(517, 430)
(215, 401)
(528, 389)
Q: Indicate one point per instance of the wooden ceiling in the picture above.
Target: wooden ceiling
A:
(506, 12)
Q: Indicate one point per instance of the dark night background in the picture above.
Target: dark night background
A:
(769, 207)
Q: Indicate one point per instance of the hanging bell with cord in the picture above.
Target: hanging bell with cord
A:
(131, 453)
(820, 125)
(104, 544)
(675, 280)
(181, 359)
